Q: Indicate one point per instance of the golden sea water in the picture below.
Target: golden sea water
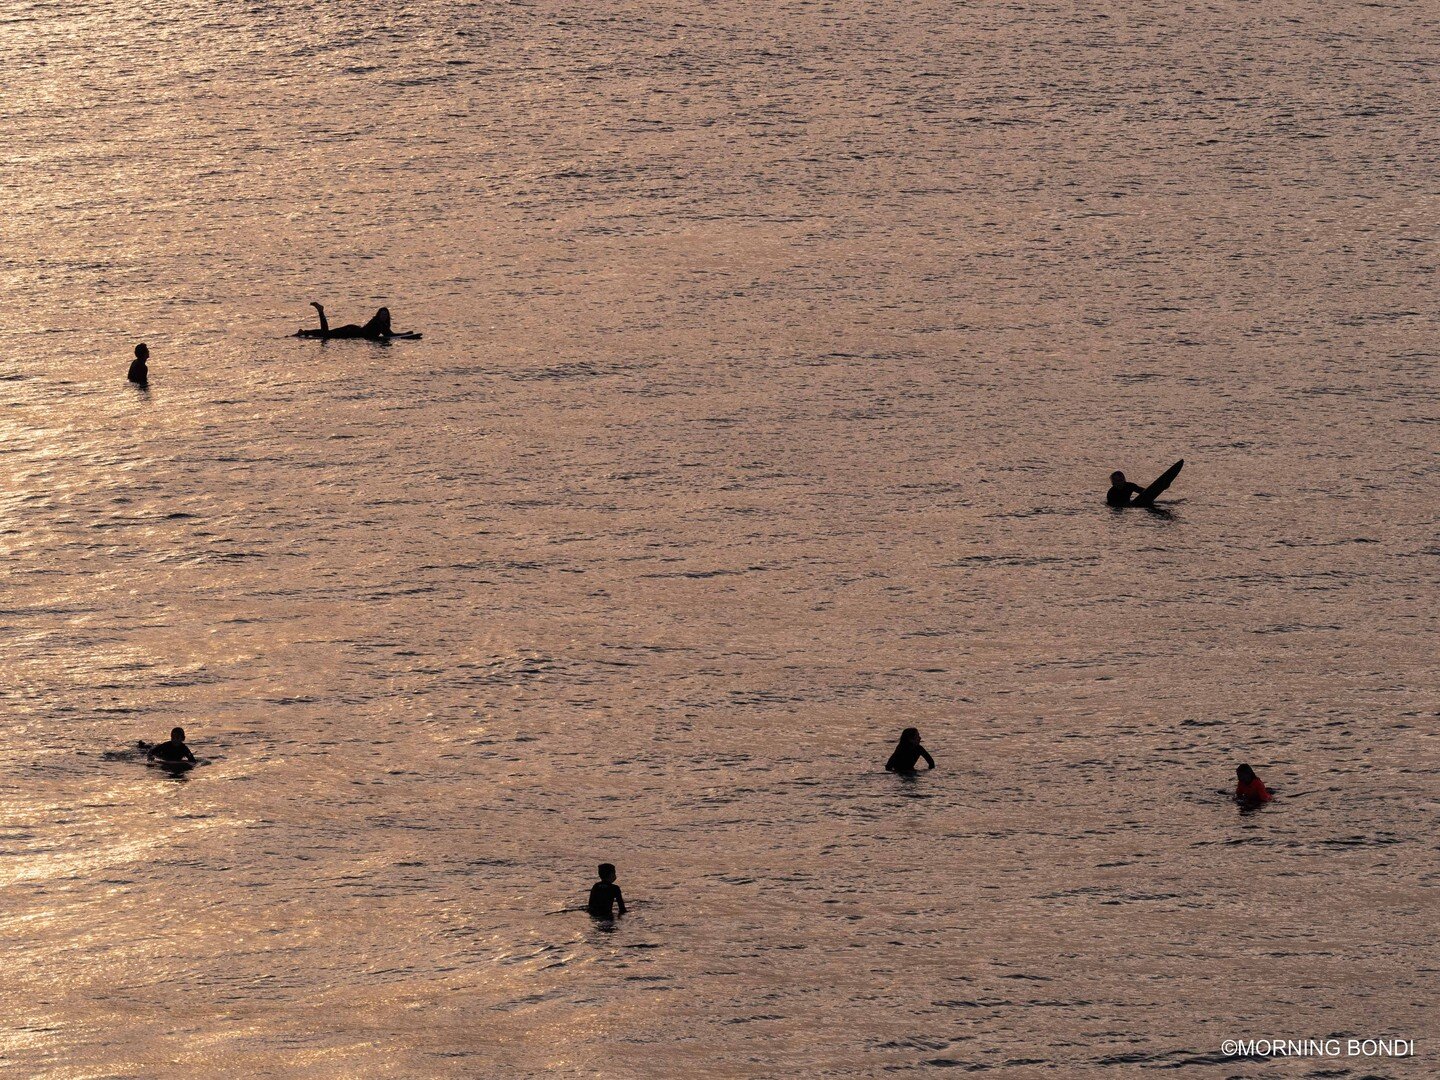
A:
(775, 358)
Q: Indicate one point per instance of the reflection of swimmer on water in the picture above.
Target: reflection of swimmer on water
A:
(605, 894)
(173, 751)
(907, 752)
(139, 372)
(1249, 791)
(377, 329)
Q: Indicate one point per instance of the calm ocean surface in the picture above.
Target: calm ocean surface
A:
(775, 359)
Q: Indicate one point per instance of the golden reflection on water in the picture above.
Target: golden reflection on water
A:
(774, 360)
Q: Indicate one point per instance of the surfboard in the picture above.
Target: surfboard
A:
(174, 768)
(1151, 493)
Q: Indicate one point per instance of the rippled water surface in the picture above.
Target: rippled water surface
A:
(775, 358)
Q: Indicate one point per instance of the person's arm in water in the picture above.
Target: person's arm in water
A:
(926, 755)
(619, 899)
(184, 749)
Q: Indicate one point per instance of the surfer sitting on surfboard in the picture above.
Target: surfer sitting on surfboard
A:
(173, 751)
(1124, 493)
(377, 329)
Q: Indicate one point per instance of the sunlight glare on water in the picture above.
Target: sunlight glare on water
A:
(775, 358)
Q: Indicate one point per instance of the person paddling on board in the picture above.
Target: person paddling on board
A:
(605, 894)
(1249, 791)
(907, 752)
(173, 751)
(377, 329)
(1123, 493)
(139, 372)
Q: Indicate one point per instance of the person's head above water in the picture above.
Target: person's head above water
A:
(142, 352)
(1244, 773)
(607, 872)
(910, 735)
(1117, 478)
(177, 734)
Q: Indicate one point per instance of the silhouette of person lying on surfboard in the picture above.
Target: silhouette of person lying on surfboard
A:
(377, 329)
(1123, 493)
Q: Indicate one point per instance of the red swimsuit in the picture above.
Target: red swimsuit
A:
(1252, 791)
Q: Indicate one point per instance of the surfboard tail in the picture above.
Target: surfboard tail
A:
(1148, 496)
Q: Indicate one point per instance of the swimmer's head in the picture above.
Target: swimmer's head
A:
(607, 872)
(910, 735)
(177, 734)
(1117, 478)
(142, 351)
(1244, 773)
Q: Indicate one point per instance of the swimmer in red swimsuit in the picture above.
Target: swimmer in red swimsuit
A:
(1249, 791)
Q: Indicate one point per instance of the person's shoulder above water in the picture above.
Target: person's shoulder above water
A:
(173, 750)
(1121, 490)
(602, 897)
(908, 753)
(1248, 787)
(139, 372)
(605, 895)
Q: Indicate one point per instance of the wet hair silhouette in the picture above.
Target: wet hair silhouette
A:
(377, 329)
(139, 372)
(605, 894)
(379, 324)
(908, 751)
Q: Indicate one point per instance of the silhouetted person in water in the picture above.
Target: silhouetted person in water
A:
(174, 751)
(377, 329)
(1121, 490)
(907, 752)
(1249, 791)
(605, 894)
(1123, 493)
(139, 372)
